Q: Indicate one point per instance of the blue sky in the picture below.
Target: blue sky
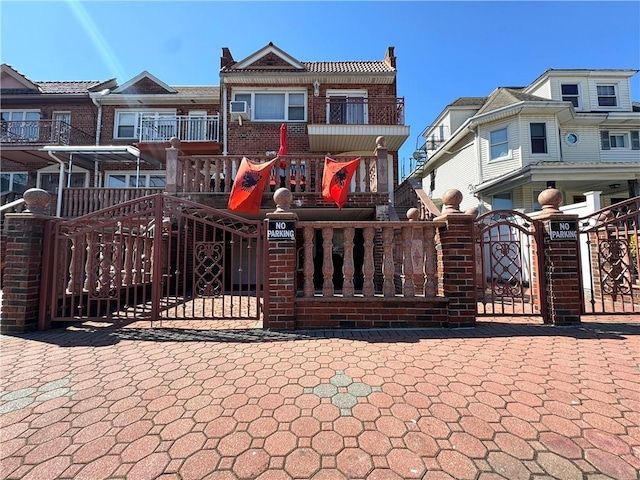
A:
(444, 50)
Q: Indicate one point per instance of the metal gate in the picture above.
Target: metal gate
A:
(611, 259)
(507, 282)
(155, 258)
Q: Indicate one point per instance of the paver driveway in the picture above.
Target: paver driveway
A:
(496, 401)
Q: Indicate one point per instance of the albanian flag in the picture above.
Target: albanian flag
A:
(246, 193)
(336, 179)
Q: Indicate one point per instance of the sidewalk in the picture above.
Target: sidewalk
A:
(503, 400)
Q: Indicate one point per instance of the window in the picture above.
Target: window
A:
(502, 201)
(13, 182)
(48, 178)
(148, 126)
(275, 106)
(570, 93)
(607, 96)
(347, 108)
(20, 126)
(498, 144)
(538, 137)
(127, 179)
(617, 139)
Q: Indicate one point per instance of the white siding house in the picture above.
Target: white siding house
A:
(575, 130)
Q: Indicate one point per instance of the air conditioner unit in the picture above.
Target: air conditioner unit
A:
(239, 109)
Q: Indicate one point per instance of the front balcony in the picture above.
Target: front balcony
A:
(18, 134)
(199, 135)
(343, 124)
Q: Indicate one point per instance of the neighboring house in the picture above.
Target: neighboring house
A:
(111, 135)
(575, 130)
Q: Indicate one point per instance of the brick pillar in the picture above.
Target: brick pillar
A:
(457, 261)
(561, 261)
(281, 268)
(23, 269)
(173, 167)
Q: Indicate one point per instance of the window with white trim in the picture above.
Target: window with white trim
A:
(538, 133)
(498, 144)
(147, 125)
(275, 105)
(607, 96)
(13, 182)
(347, 107)
(20, 125)
(620, 139)
(49, 178)
(131, 179)
(570, 93)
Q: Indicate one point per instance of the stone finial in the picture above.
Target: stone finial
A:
(550, 199)
(380, 142)
(413, 214)
(472, 211)
(174, 142)
(451, 200)
(282, 197)
(37, 201)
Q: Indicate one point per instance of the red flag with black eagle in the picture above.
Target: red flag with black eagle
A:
(248, 186)
(336, 179)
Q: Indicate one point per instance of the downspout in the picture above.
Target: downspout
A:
(94, 98)
(224, 121)
(60, 184)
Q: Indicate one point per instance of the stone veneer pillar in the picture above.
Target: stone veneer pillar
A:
(23, 263)
(173, 167)
(382, 167)
(561, 282)
(281, 269)
(457, 261)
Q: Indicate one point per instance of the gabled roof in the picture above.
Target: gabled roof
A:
(503, 97)
(20, 79)
(69, 87)
(272, 59)
(143, 83)
(468, 102)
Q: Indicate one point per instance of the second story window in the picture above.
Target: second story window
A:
(538, 137)
(607, 96)
(145, 125)
(498, 144)
(20, 126)
(570, 94)
(275, 106)
(347, 107)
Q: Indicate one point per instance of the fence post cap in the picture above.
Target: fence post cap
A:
(451, 200)
(550, 199)
(174, 142)
(413, 214)
(37, 201)
(282, 197)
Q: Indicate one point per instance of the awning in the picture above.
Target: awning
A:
(91, 155)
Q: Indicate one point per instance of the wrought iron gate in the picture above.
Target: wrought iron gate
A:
(156, 258)
(612, 260)
(507, 265)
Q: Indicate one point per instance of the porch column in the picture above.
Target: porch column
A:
(280, 270)
(456, 261)
(381, 182)
(561, 281)
(173, 167)
(23, 263)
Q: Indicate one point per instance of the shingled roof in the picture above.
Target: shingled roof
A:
(70, 87)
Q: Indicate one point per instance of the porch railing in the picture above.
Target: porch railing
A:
(299, 173)
(205, 128)
(357, 111)
(50, 132)
(368, 259)
(81, 201)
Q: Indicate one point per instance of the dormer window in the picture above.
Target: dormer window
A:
(570, 94)
(607, 96)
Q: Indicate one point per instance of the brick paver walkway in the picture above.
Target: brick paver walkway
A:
(510, 401)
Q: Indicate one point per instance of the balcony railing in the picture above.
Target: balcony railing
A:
(42, 132)
(299, 173)
(357, 111)
(186, 128)
(80, 201)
